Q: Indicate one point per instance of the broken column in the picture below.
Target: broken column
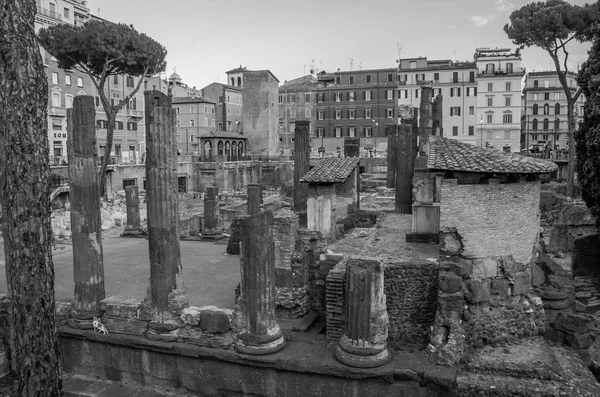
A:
(254, 199)
(301, 164)
(438, 116)
(256, 331)
(132, 203)
(425, 115)
(88, 267)
(211, 228)
(364, 343)
(165, 296)
(404, 168)
(392, 134)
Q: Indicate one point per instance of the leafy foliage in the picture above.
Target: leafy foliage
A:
(588, 136)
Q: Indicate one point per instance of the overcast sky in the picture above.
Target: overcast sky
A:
(205, 38)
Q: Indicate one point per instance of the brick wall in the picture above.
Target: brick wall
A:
(494, 219)
(261, 112)
(284, 237)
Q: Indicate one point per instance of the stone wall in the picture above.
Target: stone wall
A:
(411, 294)
(261, 111)
(493, 219)
(335, 296)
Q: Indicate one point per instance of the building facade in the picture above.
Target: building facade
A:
(195, 118)
(228, 100)
(545, 110)
(260, 114)
(174, 84)
(499, 76)
(297, 101)
(358, 104)
(454, 81)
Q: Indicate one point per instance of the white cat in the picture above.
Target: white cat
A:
(98, 326)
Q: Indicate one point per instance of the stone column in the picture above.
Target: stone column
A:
(132, 203)
(212, 225)
(438, 116)
(256, 331)
(425, 116)
(254, 199)
(165, 295)
(392, 134)
(404, 169)
(88, 267)
(364, 343)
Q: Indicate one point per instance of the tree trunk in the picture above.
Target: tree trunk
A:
(25, 191)
(110, 131)
(571, 141)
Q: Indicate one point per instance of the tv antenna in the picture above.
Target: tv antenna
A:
(351, 63)
(399, 52)
(360, 66)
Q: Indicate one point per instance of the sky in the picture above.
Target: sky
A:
(206, 38)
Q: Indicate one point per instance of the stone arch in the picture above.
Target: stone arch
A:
(220, 148)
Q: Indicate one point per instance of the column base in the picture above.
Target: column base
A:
(367, 356)
(262, 349)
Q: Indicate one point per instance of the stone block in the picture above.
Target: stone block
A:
(478, 291)
(283, 278)
(554, 335)
(509, 266)
(215, 320)
(499, 286)
(451, 303)
(449, 282)
(118, 306)
(572, 322)
(538, 277)
(579, 341)
(485, 268)
(459, 265)
(522, 283)
(451, 245)
(191, 315)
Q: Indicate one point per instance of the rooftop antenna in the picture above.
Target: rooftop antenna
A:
(360, 66)
(351, 63)
(312, 66)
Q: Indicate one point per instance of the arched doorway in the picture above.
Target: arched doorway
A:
(228, 151)
(220, 148)
(208, 151)
(234, 151)
(240, 150)
(239, 81)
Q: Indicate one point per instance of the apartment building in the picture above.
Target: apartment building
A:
(455, 81)
(499, 76)
(545, 110)
(358, 103)
(174, 84)
(195, 117)
(297, 101)
(228, 100)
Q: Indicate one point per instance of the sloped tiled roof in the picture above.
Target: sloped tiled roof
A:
(223, 134)
(451, 155)
(331, 170)
(189, 99)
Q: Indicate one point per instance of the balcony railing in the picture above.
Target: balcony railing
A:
(58, 161)
(57, 111)
(134, 113)
(49, 13)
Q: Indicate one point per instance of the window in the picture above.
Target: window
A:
(132, 126)
(403, 94)
(455, 111)
(557, 96)
(455, 91)
(507, 101)
(490, 101)
(490, 87)
(338, 114)
(489, 68)
(292, 113)
(191, 138)
(368, 78)
(455, 77)
(67, 13)
(546, 108)
(97, 101)
(557, 124)
(390, 77)
(228, 99)
(129, 182)
(56, 99)
(351, 96)
(367, 95)
(229, 112)
(220, 126)
(101, 124)
(534, 137)
(509, 69)
(56, 124)
(546, 125)
(320, 115)
(454, 130)
(535, 84)
(416, 93)
(338, 132)
(280, 98)
(389, 94)
(54, 78)
(351, 79)
(413, 64)
(536, 97)
(471, 77)
(220, 99)
(471, 110)
(338, 96)
(68, 101)
(321, 97)
(351, 114)
(178, 123)
(212, 110)
(307, 113)
(338, 80)
(192, 123)
(489, 118)
(507, 118)
(368, 113)
(192, 109)
(67, 79)
(471, 130)
(557, 108)
(390, 113)
(177, 110)
(368, 131)
(130, 81)
(546, 96)
(471, 91)
(544, 137)
(534, 125)
(79, 82)
(320, 132)
(118, 125)
(182, 184)
(535, 109)
(206, 121)
(546, 84)
(352, 132)
(306, 98)
(508, 86)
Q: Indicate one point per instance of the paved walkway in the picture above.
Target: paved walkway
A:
(209, 275)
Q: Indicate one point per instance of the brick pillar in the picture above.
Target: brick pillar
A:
(392, 134)
(88, 267)
(404, 169)
(212, 225)
(256, 331)
(254, 199)
(165, 294)
(132, 203)
(364, 343)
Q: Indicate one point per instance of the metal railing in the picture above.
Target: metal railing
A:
(49, 13)
(59, 161)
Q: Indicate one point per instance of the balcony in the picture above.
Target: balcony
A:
(48, 13)
(134, 113)
(57, 111)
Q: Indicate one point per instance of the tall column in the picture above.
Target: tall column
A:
(254, 199)
(256, 331)
(404, 169)
(301, 163)
(88, 267)
(165, 294)
(211, 228)
(392, 134)
(364, 343)
(438, 116)
(425, 117)
(132, 203)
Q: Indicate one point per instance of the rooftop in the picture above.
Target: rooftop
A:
(331, 170)
(451, 155)
(223, 134)
(189, 99)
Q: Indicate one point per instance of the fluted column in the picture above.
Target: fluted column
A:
(256, 331)
(88, 266)
(132, 203)
(212, 225)
(166, 285)
(364, 343)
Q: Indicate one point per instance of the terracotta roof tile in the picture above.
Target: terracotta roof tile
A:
(331, 170)
(452, 155)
